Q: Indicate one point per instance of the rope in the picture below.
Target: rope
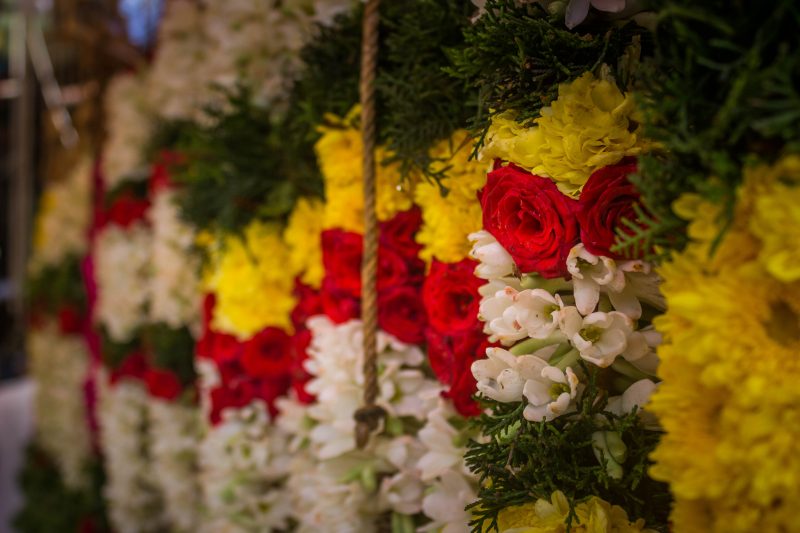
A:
(370, 415)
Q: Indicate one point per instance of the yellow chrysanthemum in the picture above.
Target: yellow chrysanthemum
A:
(302, 235)
(591, 124)
(252, 283)
(339, 155)
(592, 516)
(448, 220)
(509, 140)
(774, 211)
(729, 400)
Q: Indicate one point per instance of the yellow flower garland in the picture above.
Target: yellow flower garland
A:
(339, 156)
(729, 400)
(302, 234)
(252, 282)
(448, 220)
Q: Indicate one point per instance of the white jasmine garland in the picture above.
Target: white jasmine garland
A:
(446, 501)
(59, 364)
(176, 83)
(62, 224)
(135, 503)
(244, 463)
(122, 267)
(343, 475)
(175, 283)
(175, 435)
(129, 127)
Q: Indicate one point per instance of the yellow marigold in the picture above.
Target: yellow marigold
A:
(252, 282)
(339, 155)
(591, 124)
(302, 235)
(592, 516)
(729, 400)
(448, 220)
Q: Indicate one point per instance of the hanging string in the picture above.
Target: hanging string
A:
(369, 416)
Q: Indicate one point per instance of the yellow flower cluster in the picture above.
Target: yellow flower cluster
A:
(729, 401)
(448, 220)
(339, 156)
(252, 282)
(591, 124)
(302, 235)
(592, 516)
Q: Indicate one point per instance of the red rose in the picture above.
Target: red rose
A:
(69, 319)
(451, 298)
(237, 394)
(400, 313)
(339, 306)
(270, 390)
(451, 359)
(309, 303)
(607, 198)
(268, 354)
(300, 376)
(531, 219)
(134, 366)
(398, 233)
(163, 384)
(393, 269)
(341, 256)
(127, 209)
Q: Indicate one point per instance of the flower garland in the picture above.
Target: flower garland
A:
(729, 449)
(59, 362)
(131, 491)
(129, 127)
(578, 362)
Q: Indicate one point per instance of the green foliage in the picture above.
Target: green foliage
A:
(134, 188)
(724, 85)
(114, 353)
(421, 103)
(418, 103)
(57, 286)
(240, 167)
(523, 461)
(51, 507)
(171, 349)
(516, 55)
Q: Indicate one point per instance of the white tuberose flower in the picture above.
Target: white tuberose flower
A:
(601, 337)
(500, 314)
(551, 395)
(589, 273)
(495, 261)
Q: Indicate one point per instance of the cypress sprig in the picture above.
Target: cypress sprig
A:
(241, 167)
(722, 88)
(516, 55)
(522, 461)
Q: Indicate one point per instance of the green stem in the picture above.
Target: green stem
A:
(627, 369)
(531, 345)
(531, 281)
(568, 359)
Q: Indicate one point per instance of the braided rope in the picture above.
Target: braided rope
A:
(369, 416)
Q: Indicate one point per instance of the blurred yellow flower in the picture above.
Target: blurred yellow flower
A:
(729, 400)
(448, 220)
(302, 235)
(252, 282)
(339, 155)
